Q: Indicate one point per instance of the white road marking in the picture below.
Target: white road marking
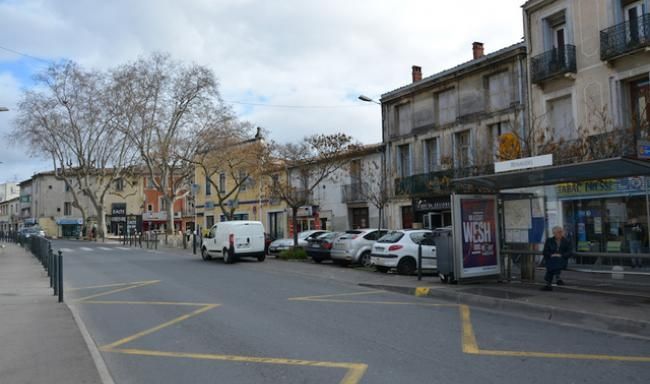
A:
(105, 248)
(123, 248)
(66, 250)
(86, 249)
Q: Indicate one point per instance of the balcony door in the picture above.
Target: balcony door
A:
(559, 42)
(640, 103)
(632, 12)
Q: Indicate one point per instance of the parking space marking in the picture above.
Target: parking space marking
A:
(354, 371)
(422, 291)
(469, 344)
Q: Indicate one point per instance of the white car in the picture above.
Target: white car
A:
(280, 245)
(355, 246)
(399, 249)
(234, 239)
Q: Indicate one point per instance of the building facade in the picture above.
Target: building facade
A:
(9, 191)
(9, 214)
(448, 125)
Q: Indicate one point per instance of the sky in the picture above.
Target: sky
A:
(293, 67)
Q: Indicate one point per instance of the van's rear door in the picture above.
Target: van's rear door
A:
(249, 237)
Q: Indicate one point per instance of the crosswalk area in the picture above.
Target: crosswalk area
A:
(98, 249)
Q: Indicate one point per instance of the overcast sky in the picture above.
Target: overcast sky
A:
(314, 56)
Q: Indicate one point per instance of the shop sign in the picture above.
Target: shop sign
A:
(475, 229)
(643, 149)
(154, 216)
(118, 209)
(432, 204)
(601, 187)
(525, 163)
(69, 221)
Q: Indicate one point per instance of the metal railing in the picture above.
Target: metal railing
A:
(355, 192)
(625, 37)
(554, 62)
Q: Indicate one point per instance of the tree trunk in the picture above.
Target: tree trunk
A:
(294, 220)
(101, 225)
(170, 215)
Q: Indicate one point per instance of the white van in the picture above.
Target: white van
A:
(234, 239)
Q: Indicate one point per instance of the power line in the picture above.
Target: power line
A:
(297, 106)
(25, 55)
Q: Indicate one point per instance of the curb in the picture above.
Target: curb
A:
(100, 364)
(593, 321)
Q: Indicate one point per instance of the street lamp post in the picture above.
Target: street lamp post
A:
(4, 109)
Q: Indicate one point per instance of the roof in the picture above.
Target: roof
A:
(468, 65)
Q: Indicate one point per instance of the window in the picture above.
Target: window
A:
(404, 160)
(150, 183)
(119, 184)
(67, 209)
(632, 11)
(242, 179)
(67, 187)
(403, 118)
(209, 221)
(498, 91)
(208, 186)
(222, 182)
(355, 171)
(555, 31)
(640, 103)
(431, 155)
(462, 149)
(149, 207)
(495, 132)
(560, 117)
(163, 204)
(445, 106)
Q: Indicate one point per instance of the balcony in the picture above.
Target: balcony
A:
(555, 62)
(424, 183)
(625, 38)
(354, 193)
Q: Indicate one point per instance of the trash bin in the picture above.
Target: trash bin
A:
(444, 241)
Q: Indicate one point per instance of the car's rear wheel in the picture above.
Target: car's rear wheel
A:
(406, 266)
(317, 259)
(261, 258)
(382, 269)
(205, 255)
(365, 259)
(341, 263)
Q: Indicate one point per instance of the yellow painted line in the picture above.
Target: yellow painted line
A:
(337, 295)
(159, 327)
(380, 302)
(422, 291)
(353, 375)
(578, 356)
(468, 339)
(111, 285)
(116, 290)
(127, 302)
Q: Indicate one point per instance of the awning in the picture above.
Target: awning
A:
(618, 167)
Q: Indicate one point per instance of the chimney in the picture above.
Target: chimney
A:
(416, 73)
(477, 49)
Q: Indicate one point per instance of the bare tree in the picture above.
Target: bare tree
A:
(68, 118)
(375, 189)
(306, 164)
(232, 155)
(167, 110)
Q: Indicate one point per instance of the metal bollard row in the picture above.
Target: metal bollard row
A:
(41, 248)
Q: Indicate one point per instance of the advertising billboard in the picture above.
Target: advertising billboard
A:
(475, 229)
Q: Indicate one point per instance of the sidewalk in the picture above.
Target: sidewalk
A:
(40, 341)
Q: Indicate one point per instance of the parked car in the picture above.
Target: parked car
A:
(355, 246)
(399, 249)
(319, 248)
(234, 239)
(28, 232)
(280, 245)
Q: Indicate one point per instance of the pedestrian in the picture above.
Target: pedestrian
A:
(557, 251)
(634, 235)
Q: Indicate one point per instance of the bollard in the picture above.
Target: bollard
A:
(49, 268)
(194, 243)
(155, 239)
(55, 273)
(419, 262)
(60, 270)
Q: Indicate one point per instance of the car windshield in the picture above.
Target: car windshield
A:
(328, 236)
(391, 237)
(350, 234)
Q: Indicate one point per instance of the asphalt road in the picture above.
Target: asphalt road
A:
(169, 317)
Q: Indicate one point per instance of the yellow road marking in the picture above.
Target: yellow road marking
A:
(337, 295)
(378, 302)
(468, 339)
(138, 285)
(158, 327)
(353, 375)
(179, 303)
(421, 291)
(111, 285)
(577, 356)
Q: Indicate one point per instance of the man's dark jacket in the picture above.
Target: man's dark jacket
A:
(551, 247)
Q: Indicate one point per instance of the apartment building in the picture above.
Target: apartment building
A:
(9, 214)
(9, 191)
(448, 125)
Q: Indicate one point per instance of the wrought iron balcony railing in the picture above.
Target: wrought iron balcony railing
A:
(625, 37)
(555, 62)
(354, 193)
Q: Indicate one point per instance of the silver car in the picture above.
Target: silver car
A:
(280, 245)
(355, 246)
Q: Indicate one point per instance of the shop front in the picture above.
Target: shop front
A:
(69, 227)
(433, 212)
(308, 218)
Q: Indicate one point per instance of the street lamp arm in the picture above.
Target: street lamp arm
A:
(368, 99)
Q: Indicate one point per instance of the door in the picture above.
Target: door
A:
(632, 13)
(359, 218)
(559, 40)
(407, 217)
(640, 100)
(212, 241)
